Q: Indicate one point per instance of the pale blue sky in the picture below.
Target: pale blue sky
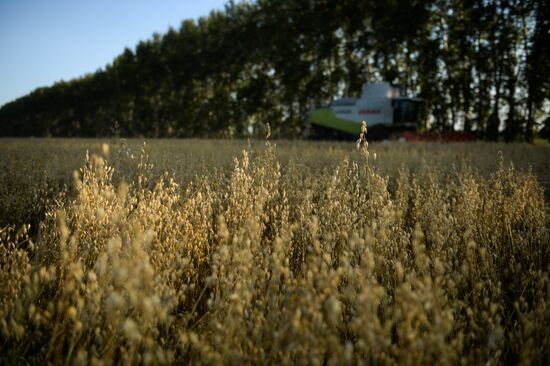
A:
(44, 41)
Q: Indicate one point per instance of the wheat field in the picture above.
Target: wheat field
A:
(281, 253)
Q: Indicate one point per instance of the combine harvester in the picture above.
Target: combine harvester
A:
(384, 108)
(388, 113)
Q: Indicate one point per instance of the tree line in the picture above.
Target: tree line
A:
(481, 66)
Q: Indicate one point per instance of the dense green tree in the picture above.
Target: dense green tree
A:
(537, 64)
(480, 65)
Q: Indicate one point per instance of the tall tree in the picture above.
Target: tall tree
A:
(480, 65)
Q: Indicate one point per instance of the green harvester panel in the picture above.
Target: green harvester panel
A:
(325, 117)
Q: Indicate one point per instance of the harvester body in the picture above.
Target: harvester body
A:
(381, 105)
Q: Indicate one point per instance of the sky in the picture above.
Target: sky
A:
(44, 41)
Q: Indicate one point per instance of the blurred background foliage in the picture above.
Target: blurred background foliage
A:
(481, 65)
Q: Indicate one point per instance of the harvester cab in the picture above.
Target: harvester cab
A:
(381, 105)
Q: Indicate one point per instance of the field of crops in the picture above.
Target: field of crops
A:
(236, 252)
